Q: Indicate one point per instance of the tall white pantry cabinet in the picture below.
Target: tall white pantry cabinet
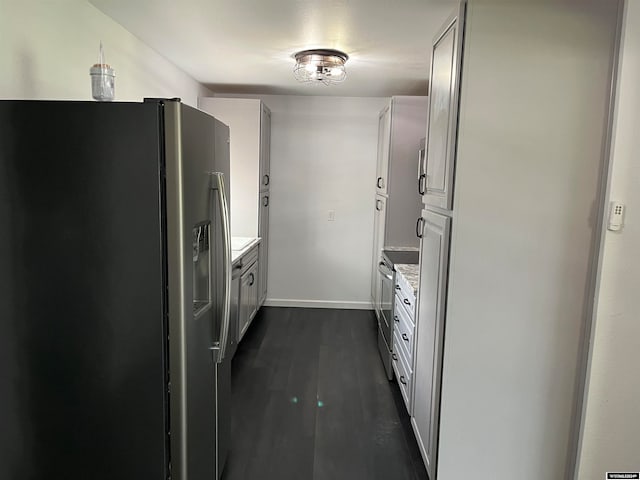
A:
(249, 122)
(435, 184)
(513, 207)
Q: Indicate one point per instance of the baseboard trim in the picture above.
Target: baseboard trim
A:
(284, 302)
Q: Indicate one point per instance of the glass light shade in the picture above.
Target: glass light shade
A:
(320, 66)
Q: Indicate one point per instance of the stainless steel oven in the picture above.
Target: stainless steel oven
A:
(386, 281)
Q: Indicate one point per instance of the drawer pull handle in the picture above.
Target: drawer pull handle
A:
(395, 317)
(394, 356)
(406, 302)
(404, 337)
(422, 181)
(402, 380)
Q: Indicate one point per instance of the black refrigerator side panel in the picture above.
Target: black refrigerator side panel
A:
(82, 289)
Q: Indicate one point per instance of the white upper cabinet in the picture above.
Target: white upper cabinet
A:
(265, 148)
(384, 140)
(401, 126)
(444, 82)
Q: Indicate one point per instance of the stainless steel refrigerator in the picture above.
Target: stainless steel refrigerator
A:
(114, 291)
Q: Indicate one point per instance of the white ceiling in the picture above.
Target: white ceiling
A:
(245, 46)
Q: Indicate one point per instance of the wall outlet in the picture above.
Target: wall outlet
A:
(332, 215)
(616, 216)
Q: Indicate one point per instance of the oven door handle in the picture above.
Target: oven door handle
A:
(386, 272)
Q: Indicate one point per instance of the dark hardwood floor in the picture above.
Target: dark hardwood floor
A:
(310, 401)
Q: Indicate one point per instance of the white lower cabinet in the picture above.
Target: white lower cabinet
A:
(379, 221)
(248, 294)
(434, 254)
(263, 233)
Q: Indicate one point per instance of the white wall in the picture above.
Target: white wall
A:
(323, 157)
(611, 427)
(534, 105)
(48, 46)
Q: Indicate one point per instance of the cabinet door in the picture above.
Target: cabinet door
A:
(378, 245)
(234, 312)
(245, 304)
(265, 148)
(384, 138)
(444, 81)
(263, 255)
(434, 257)
(252, 301)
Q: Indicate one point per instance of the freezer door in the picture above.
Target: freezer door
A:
(199, 280)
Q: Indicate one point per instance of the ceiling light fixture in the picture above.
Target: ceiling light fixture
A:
(320, 66)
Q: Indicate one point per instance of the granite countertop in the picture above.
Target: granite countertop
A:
(411, 273)
(241, 245)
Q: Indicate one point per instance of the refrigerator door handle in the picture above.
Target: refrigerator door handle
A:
(219, 348)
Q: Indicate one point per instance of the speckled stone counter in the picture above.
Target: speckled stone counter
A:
(411, 274)
(245, 244)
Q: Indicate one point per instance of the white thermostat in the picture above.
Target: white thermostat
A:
(616, 216)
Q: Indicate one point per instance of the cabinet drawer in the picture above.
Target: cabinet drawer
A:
(249, 258)
(405, 286)
(405, 295)
(403, 372)
(404, 327)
